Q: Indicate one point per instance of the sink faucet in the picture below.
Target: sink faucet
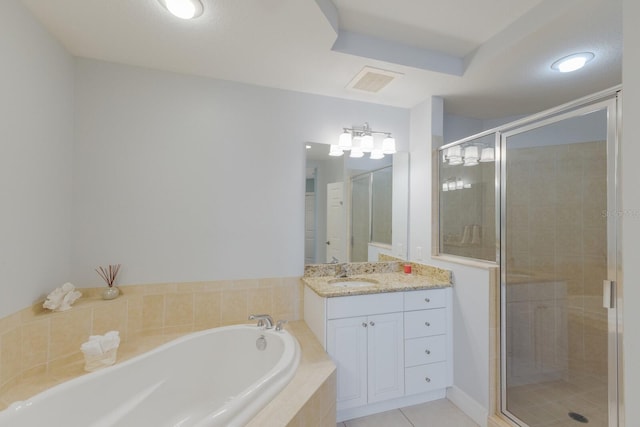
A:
(334, 260)
(342, 270)
(263, 320)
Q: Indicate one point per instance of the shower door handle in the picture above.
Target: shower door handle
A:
(609, 294)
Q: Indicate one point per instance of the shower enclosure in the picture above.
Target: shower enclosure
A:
(558, 252)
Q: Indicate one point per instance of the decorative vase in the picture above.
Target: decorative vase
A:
(110, 293)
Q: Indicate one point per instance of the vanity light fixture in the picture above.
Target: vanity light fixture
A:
(183, 9)
(360, 140)
(572, 62)
(469, 155)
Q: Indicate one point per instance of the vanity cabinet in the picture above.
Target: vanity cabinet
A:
(390, 349)
(368, 351)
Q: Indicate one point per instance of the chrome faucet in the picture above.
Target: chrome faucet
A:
(263, 320)
(334, 260)
(280, 325)
(342, 270)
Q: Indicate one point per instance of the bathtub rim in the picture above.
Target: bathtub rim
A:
(284, 369)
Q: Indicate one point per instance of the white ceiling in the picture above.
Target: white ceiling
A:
(486, 58)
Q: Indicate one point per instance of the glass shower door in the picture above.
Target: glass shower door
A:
(558, 247)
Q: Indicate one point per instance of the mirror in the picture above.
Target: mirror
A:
(355, 209)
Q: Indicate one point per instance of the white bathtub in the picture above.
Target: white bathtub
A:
(216, 377)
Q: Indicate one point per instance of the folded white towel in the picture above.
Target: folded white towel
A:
(100, 344)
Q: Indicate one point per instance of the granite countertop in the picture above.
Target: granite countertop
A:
(384, 277)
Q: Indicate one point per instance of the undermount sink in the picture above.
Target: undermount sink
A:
(352, 282)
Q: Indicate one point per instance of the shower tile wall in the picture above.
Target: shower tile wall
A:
(34, 340)
(557, 196)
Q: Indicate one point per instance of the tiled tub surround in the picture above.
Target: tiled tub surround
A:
(39, 348)
(388, 277)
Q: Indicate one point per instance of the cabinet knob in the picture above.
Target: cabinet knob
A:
(427, 379)
(364, 324)
(427, 351)
(427, 324)
(427, 300)
(372, 323)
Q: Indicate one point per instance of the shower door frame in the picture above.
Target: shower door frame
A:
(611, 101)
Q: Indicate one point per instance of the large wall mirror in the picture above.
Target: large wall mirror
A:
(355, 208)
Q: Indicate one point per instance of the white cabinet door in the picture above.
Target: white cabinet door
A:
(385, 356)
(347, 346)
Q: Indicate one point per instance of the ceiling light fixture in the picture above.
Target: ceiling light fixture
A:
(572, 62)
(183, 9)
(360, 140)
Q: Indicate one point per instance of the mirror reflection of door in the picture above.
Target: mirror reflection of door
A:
(336, 247)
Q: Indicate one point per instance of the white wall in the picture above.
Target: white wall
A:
(631, 205)
(471, 285)
(36, 135)
(181, 178)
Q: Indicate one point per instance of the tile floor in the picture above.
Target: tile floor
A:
(548, 404)
(432, 414)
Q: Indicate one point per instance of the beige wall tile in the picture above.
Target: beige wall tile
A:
(134, 316)
(207, 310)
(68, 331)
(152, 312)
(110, 316)
(234, 307)
(10, 354)
(260, 301)
(35, 344)
(178, 309)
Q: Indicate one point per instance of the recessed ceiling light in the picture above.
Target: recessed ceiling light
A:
(572, 62)
(184, 9)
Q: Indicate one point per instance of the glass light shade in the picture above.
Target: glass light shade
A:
(451, 185)
(459, 184)
(376, 154)
(183, 9)
(335, 151)
(389, 145)
(454, 161)
(366, 144)
(445, 186)
(487, 155)
(356, 152)
(345, 142)
(467, 186)
(455, 151)
(471, 153)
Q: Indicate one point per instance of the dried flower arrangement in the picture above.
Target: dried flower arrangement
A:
(109, 274)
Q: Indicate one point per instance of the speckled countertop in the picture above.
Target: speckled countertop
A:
(384, 277)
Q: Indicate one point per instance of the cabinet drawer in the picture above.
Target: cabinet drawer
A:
(419, 351)
(425, 323)
(423, 378)
(420, 300)
(364, 305)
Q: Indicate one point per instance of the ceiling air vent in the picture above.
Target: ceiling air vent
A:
(372, 80)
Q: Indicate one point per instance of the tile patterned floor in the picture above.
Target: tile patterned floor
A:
(548, 404)
(432, 414)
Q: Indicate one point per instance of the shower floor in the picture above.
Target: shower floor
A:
(549, 404)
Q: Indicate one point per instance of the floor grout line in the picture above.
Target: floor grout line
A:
(407, 418)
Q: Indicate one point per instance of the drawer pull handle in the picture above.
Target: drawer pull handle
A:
(427, 379)
(427, 324)
(372, 323)
(427, 300)
(427, 351)
(364, 324)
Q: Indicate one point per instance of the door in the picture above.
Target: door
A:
(386, 356)
(558, 247)
(347, 346)
(310, 228)
(336, 230)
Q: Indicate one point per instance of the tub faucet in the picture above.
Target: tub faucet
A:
(263, 320)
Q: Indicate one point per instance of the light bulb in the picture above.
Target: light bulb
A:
(183, 9)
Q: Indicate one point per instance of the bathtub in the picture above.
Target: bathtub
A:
(217, 377)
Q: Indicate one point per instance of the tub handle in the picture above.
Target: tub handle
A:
(280, 325)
